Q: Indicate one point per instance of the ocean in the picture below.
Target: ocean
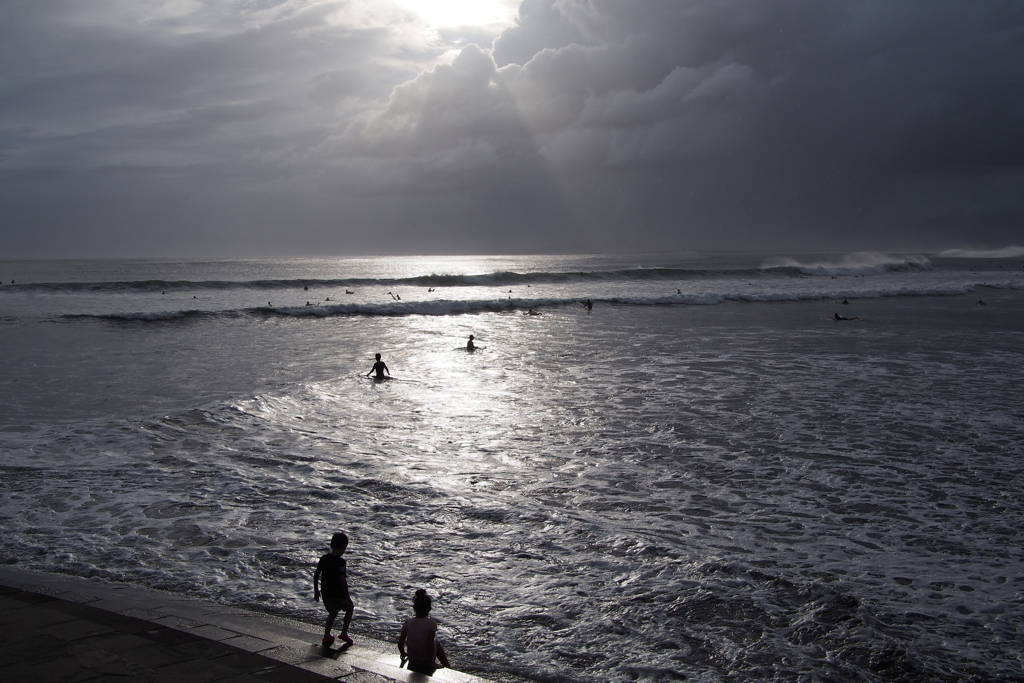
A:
(705, 476)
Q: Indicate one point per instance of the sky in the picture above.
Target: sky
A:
(348, 127)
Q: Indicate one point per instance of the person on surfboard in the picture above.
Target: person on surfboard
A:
(470, 346)
(380, 368)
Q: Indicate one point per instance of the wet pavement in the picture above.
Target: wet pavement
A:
(58, 628)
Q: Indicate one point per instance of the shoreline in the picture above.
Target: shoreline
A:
(86, 610)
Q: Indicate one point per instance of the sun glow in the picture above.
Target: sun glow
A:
(440, 13)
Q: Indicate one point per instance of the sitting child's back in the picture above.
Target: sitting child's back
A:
(418, 642)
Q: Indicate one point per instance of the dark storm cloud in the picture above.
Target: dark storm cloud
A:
(306, 126)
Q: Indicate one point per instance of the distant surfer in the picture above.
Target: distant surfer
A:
(838, 317)
(531, 312)
(589, 305)
(470, 346)
(981, 303)
(349, 291)
(380, 368)
(845, 302)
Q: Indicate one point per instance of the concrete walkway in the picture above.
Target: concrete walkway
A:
(59, 628)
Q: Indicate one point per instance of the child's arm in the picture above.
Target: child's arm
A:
(401, 644)
(316, 584)
(441, 656)
(386, 368)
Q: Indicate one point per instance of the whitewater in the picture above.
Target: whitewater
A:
(705, 477)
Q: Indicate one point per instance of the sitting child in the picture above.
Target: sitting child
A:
(418, 642)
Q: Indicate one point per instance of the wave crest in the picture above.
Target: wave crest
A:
(861, 263)
(1005, 252)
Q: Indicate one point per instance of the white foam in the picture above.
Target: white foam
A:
(862, 263)
(1005, 252)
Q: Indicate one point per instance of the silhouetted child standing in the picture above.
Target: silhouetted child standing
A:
(419, 638)
(331, 579)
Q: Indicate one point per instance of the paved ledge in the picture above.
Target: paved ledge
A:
(60, 628)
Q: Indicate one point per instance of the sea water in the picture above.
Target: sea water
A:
(705, 477)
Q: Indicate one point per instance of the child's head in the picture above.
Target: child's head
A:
(421, 603)
(377, 356)
(339, 541)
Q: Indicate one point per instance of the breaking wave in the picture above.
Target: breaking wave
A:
(854, 264)
(463, 307)
(864, 263)
(1005, 252)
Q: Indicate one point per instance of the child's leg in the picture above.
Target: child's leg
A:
(441, 656)
(345, 622)
(330, 624)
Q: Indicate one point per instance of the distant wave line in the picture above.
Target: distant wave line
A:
(495, 279)
(447, 307)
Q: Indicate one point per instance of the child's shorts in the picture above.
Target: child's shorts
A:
(335, 605)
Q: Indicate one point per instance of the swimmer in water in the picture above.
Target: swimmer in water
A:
(380, 368)
(838, 317)
(470, 346)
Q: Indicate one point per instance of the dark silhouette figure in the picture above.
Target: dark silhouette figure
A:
(838, 317)
(845, 302)
(470, 346)
(418, 643)
(305, 288)
(589, 305)
(380, 368)
(981, 303)
(331, 580)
